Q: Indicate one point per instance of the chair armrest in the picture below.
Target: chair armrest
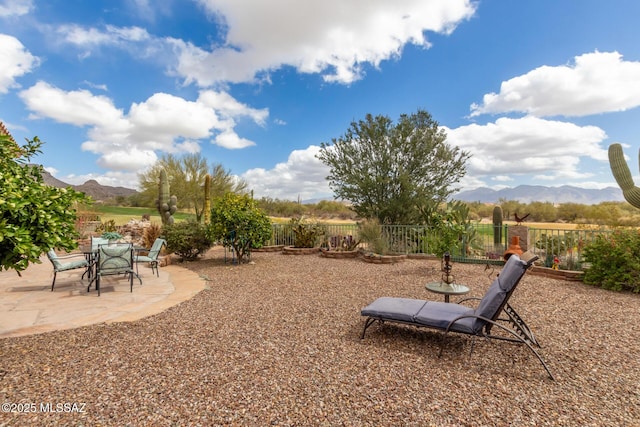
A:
(72, 255)
(469, 299)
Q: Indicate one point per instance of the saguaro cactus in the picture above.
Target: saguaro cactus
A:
(497, 225)
(207, 199)
(622, 174)
(167, 206)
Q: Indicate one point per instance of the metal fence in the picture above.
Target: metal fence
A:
(477, 244)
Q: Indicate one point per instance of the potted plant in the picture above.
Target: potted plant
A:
(111, 236)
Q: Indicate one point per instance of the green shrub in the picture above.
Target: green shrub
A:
(615, 261)
(306, 233)
(187, 239)
(239, 224)
(370, 231)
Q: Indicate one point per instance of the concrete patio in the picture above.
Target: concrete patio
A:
(28, 306)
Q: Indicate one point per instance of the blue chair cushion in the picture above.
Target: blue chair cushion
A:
(401, 309)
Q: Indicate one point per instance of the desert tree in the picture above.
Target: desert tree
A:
(389, 170)
(186, 178)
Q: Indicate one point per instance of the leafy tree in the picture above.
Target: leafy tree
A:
(34, 217)
(238, 223)
(512, 207)
(386, 169)
(186, 178)
(571, 212)
(541, 212)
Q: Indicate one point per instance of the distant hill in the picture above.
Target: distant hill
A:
(539, 193)
(91, 188)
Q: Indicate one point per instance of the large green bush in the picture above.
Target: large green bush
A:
(238, 223)
(34, 216)
(187, 239)
(615, 261)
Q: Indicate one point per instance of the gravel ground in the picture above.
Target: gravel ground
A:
(277, 343)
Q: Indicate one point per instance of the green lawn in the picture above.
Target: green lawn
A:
(122, 215)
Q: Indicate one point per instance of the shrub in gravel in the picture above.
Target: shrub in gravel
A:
(187, 239)
(615, 261)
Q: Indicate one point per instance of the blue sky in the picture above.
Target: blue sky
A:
(534, 90)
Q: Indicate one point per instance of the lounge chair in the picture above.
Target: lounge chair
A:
(59, 264)
(451, 317)
(152, 256)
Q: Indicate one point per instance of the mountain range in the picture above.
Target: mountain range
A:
(92, 188)
(521, 193)
(539, 193)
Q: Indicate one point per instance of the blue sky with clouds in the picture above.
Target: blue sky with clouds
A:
(534, 90)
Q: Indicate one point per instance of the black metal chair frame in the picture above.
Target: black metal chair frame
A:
(86, 266)
(104, 259)
(153, 261)
(518, 332)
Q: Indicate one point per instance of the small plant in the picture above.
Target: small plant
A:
(111, 235)
(343, 243)
(151, 233)
(306, 233)
(107, 226)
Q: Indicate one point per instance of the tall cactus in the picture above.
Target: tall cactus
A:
(207, 198)
(497, 225)
(166, 205)
(622, 174)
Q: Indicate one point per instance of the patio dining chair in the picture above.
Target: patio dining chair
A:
(114, 259)
(97, 241)
(462, 319)
(152, 256)
(66, 263)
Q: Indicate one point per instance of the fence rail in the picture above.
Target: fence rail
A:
(478, 244)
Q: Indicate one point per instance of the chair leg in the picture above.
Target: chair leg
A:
(370, 321)
(154, 264)
(54, 280)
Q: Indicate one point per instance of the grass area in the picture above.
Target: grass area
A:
(122, 215)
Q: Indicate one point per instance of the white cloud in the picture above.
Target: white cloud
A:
(162, 123)
(596, 83)
(332, 37)
(111, 35)
(15, 7)
(510, 147)
(230, 107)
(16, 62)
(78, 107)
(302, 176)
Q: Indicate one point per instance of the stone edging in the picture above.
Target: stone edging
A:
(570, 275)
(290, 250)
(340, 254)
(383, 259)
